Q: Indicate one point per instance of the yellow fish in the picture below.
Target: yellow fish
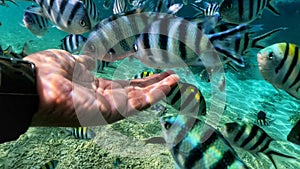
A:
(279, 64)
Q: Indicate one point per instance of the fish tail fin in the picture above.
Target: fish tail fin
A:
(261, 41)
(272, 153)
(233, 31)
(272, 8)
(230, 55)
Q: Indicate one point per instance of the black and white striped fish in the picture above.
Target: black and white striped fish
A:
(71, 16)
(114, 37)
(244, 11)
(73, 43)
(242, 43)
(82, 133)
(36, 24)
(251, 138)
(175, 42)
(119, 7)
(50, 165)
(279, 65)
(196, 145)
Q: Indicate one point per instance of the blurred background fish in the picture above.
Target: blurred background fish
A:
(119, 7)
(279, 64)
(252, 138)
(83, 133)
(244, 11)
(36, 24)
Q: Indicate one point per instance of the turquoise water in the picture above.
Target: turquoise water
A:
(246, 94)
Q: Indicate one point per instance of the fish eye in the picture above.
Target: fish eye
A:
(271, 55)
(82, 23)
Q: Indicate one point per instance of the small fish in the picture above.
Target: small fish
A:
(107, 4)
(262, 119)
(244, 11)
(82, 133)
(194, 144)
(50, 165)
(10, 53)
(294, 134)
(119, 7)
(279, 65)
(36, 24)
(73, 43)
(71, 16)
(2, 2)
(252, 138)
(143, 74)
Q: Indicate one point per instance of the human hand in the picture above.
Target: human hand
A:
(71, 96)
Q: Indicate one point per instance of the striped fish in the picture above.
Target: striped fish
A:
(242, 43)
(174, 42)
(196, 145)
(244, 11)
(36, 24)
(71, 16)
(73, 43)
(82, 133)
(114, 37)
(93, 12)
(186, 98)
(279, 64)
(50, 165)
(183, 97)
(119, 7)
(251, 138)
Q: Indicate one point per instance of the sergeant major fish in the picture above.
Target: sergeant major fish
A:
(73, 43)
(119, 7)
(244, 11)
(174, 42)
(195, 145)
(82, 133)
(279, 64)
(183, 97)
(251, 138)
(71, 16)
(36, 24)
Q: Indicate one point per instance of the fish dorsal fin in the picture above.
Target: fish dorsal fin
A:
(36, 10)
(272, 8)
(260, 41)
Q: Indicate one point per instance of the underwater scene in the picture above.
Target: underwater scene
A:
(236, 106)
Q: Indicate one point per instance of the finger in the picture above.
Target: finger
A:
(141, 100)
(151, 79)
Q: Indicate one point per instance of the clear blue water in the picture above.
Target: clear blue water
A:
(121, 145)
